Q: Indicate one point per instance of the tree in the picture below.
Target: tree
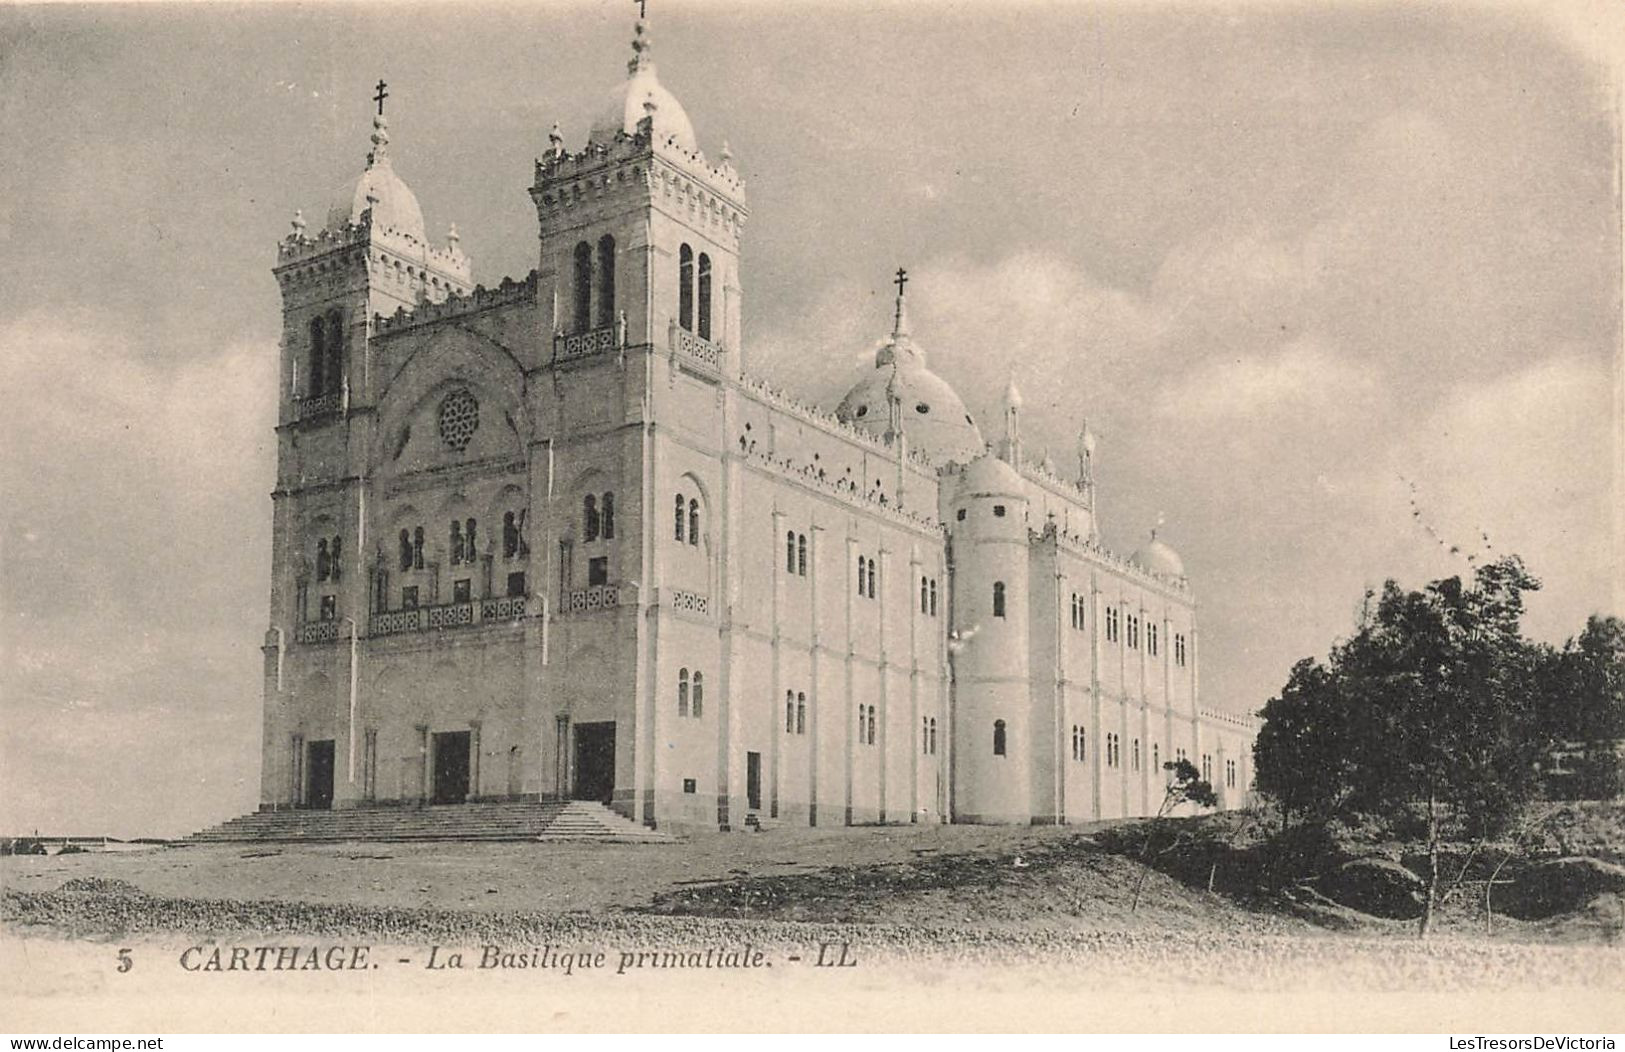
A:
(1582, 703)
(1186, 784)
(1425, 713)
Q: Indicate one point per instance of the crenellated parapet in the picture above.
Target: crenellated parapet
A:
(1238, 720)
(480, 299)
(827, 421)
(1092, 550)
(386, 253)
(842, 489)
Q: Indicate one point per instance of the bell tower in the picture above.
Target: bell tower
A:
(639, 231)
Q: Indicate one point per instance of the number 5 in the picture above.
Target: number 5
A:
(125, 963)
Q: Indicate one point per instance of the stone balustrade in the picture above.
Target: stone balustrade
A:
(317, 632)
(319, 405)
(586, 600)
(696, 348)
(495, 610)
(583, 344)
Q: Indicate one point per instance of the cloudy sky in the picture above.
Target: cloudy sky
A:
(1290, 262)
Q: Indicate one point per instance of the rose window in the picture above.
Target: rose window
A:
(459, 419)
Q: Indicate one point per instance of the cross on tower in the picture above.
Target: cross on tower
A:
(380, 97)
(900, 280)
(642, 12)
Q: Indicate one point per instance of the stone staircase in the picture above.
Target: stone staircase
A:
(571, 820)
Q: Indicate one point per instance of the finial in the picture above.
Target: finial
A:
(452, 237)
(727, 154)
(900, 315)
(299, 222)
(555, 140)
(381, 96)
(379, 154)
(1162, 517)
(641, 43)
(1012, 396)
(649, 107)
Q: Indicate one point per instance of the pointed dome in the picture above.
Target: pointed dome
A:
(1157, 557)
(393, 204)
(629, 103)
(933, 415)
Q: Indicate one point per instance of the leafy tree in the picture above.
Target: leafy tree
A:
(1185, 785)
(1582, 701)
(1302, 750)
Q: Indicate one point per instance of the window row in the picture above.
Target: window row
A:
(928, 596)
(462, 543)
(462, 591)
(867, 578)
(866, 725)
(795, 712)
(686, 511)
(598, 517)
(795, 553)
(329, 557)
(694, 287)
(928, 735)
(594, 285)
(326, 354)
(690, 694)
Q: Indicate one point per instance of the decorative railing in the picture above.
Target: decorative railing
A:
(306, 408)
(508, 608)
(682, 599)
(597, 597)
(700, 350)
(583, 344)
(449, 615)
(317, 632)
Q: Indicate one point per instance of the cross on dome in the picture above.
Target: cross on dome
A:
(381, 96)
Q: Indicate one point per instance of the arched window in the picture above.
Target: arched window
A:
(1156, 756)
(924, 595)
(925, 734)
(510, 536)
(705, 296)
(699, 695)
(789, 712)
(677, 522)
(470, 542)
(417, 548)
(998, 737)
(335, 351)
(406, 549)
(863, 576)
(321, 559)
(693, 522)
(801, 712)
(790, 552)
(318, 357)
(685, 288)
(1083, 744)
(589, 525)
(606, 281)
(801, 554)
(933, 735)
(933, 597)
(682, 692)
(609, 517)
(334, 551)
(583, 288)
(998, 598)
(455, 546)
(871, 725)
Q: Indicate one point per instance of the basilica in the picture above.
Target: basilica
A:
(556, 538)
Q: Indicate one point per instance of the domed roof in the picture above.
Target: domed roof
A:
(989, 476)
(628, 101)
(393, 204)
(1157, 557)
(933, 416)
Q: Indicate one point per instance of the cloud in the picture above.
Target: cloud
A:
(1302, 379)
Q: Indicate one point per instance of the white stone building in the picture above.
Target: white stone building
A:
(556, 539)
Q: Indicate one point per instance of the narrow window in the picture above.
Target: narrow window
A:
(606, 281)
(516, 583)
(318, 357)
(924, 596)
(510, 536)
(406, 550)
(685, 288)
(461, 590)
(925, 735)
(417, 548)
(789, 712)
(998, 598)
(693, 522)
(470, 541)
(699, 695)
(801, 712)
(705, 296)
(583, 288)
(321, 559)
(933, 597)
(1136, 754)
(790, 553)
(801, 554)
(409, 597)
(589, 516)
(871, 725)
(872, 577)
(335, 351)
(933, 735)
(1156, 757)
(998, 737)
(682, 692)
(677, 527)
(608, 514)
(863, 578)
(334, 560)
(330, 607)
(1083, 744)
(598, 571)
(455, 545)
